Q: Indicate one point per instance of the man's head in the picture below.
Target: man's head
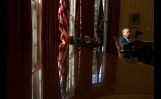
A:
(125, 32)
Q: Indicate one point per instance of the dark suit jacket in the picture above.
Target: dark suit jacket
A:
(124, 44)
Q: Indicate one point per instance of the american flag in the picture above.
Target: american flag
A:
(63, 65)
(63, 17)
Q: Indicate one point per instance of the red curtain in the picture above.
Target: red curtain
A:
(85, 18)
(50, 37)
(78, 23)
(112, 25)
(50, 75)
(19, 49)
(50, 26)
(88, 18)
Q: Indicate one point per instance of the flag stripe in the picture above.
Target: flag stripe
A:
(63, 16)
(63, 67)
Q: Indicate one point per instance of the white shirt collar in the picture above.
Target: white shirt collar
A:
(124, 36)
(127, 38)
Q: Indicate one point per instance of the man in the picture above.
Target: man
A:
(144, 53)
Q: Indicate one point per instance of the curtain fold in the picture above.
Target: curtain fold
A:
(50, 75)
(84, 22)
(50, 26)
(50, 38)
(113, 25)
(88, 18)
(19, 49)
(78, 26)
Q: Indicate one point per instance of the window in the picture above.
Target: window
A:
(34, 35)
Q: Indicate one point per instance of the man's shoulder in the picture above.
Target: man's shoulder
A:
(121, 37)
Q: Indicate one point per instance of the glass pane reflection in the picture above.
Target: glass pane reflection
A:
(96, 67)
(87, 68)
